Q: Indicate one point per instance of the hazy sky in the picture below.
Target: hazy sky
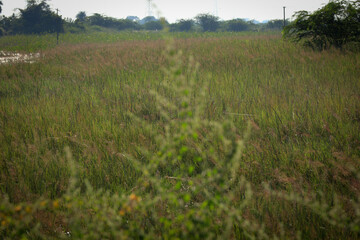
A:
(173, 10)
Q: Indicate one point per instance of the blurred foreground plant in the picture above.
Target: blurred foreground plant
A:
(189, 189)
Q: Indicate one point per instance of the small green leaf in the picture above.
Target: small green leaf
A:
(183, 150)
(178, 186)
(187, 197)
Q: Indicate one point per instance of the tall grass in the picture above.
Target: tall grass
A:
(139, 123)
(34, 43)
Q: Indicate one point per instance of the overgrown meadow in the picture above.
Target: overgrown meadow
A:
(179, 136)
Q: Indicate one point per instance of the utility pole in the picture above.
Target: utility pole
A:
(216, 9)
(284, 16)
(57, 28)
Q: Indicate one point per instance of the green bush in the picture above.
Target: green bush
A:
(336, 24)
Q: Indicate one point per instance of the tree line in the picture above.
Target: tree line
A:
(335, 24)
(202, 22)
(38, 18)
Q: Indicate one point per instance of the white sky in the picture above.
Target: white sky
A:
(173, 10)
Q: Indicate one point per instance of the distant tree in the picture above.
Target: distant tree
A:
(81, 16)
(8, 25)
(184, 25)
(97, 19)
(31, 2)
(38, 18)
(133, 18)
(276, 24)
(109, 22)
(238, 25)
(208, 23)
(153, 25)
(148, 19)
(336, 24)
(123, 24)
(0, 6)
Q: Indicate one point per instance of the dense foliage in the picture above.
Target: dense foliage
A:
(208, 23)
(155, 25)
(109, 22)
(238, 25)
(36, 18)
(336, 24)
(277, 24)
(183, 25)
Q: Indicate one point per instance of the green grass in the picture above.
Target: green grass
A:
(35, 43)
(303, 106)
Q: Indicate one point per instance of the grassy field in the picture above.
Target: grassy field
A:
(35, 43)
(241, 136)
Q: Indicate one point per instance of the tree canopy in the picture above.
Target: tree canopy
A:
(336, 24)
(183, 25)
(276, 24)
(238, 25)
(109, 22)
(81, 16)
(209, 23)
(36, 18)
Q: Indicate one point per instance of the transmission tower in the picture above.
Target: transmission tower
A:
(216, 9)
(149, 8)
